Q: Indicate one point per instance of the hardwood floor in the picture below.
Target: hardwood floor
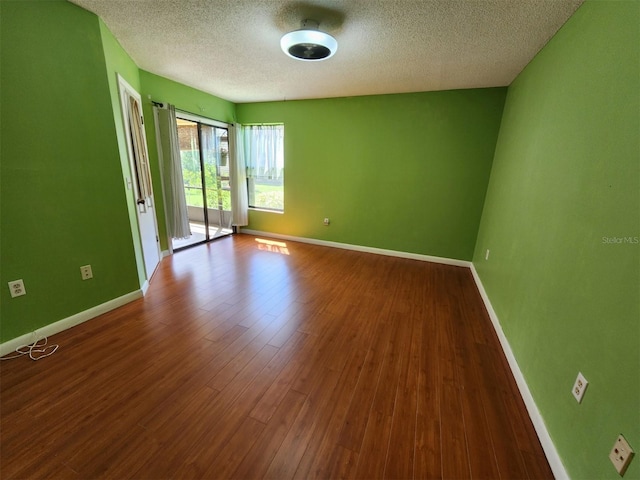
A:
(251, 359)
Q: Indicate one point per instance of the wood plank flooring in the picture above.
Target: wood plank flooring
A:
(279, 360)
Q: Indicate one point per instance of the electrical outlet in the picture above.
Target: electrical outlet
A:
(486, 255)
(579, 387)
(621, 455)
(326, 221)
(17, 288)
(86, 272)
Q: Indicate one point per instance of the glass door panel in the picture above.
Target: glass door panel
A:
(192, 176)
(215, 153)
(204, 151)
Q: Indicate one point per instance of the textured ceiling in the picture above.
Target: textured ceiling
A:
(231, 48)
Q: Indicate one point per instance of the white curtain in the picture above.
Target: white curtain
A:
(238, 177)
(175, 200)
(264, 151)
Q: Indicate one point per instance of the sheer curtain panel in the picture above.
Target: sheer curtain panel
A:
(238, 177)
(263, 150)
(172, 181)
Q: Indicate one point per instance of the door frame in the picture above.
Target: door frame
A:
(125, 90)
(201, 121)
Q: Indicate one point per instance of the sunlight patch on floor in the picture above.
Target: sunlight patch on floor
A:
(272, 246)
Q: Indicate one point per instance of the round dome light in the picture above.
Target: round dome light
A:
(309, 43)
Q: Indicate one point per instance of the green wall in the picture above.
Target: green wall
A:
(62, 197)
(160, 89)
(404, 172)
(117, 63)
(565, 179)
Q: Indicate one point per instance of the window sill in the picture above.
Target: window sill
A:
(266, 210)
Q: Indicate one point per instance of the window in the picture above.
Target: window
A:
(264, 155)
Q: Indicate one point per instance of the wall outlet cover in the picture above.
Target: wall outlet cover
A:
(579, 387)
(17, 288)
(86, 272)
(621, 454)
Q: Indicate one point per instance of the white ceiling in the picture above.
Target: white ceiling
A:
(231, 48)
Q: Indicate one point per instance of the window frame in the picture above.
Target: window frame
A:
(249, 177)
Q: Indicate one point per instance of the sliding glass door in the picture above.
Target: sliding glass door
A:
(204, 152)
(215, 150)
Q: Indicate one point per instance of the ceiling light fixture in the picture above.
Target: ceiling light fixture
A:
(309, 43)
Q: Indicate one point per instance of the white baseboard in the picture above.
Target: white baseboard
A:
(550, 451)
(166, 253)
(66, 323)
(359, 248)
(144, 287)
